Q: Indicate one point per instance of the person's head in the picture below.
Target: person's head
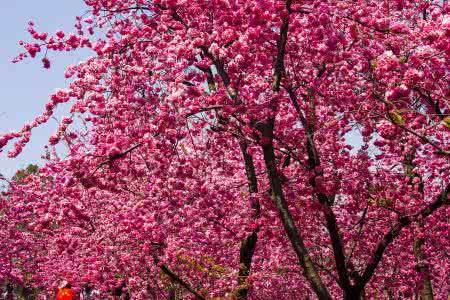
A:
(63, 284)
(68, 286)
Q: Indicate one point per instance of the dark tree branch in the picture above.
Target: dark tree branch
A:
(220, 66)
(174, 277)
(296, 239)
(278, 197)
(422, 138)
(174, 15)
(367, 26)
(424, 269)
(390, 236)
(181, 282)
(281, 50)
(249, 244)
(434, 104)
(325, 200)
(212, 107)
(209, 77)
(116, 157)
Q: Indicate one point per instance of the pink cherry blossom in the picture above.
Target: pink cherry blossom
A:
(211, 153)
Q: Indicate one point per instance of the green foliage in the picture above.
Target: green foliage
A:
(446, 122)
(22, 174)
(397, 117)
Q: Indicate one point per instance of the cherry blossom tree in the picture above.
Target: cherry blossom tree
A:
(211, 154)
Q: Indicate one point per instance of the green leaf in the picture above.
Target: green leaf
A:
(403, 59)
(446, 122)
(397, 117)
(374, 64)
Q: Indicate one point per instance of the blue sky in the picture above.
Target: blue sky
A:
(25, 87)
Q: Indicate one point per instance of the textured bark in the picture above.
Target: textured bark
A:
(281, 45)
(248, 245)
(423, 268)
(352, 294)
(426, 292)
(245, 262)
(295, 238)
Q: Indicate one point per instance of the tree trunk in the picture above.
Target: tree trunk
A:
(353, 294)
(245, 261)
(249, 244)
(426, 292)
(295, 238)
(326, 201)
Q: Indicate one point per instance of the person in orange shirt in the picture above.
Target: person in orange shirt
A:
(65, 291)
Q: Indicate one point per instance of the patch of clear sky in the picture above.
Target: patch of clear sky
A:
(25, 87)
